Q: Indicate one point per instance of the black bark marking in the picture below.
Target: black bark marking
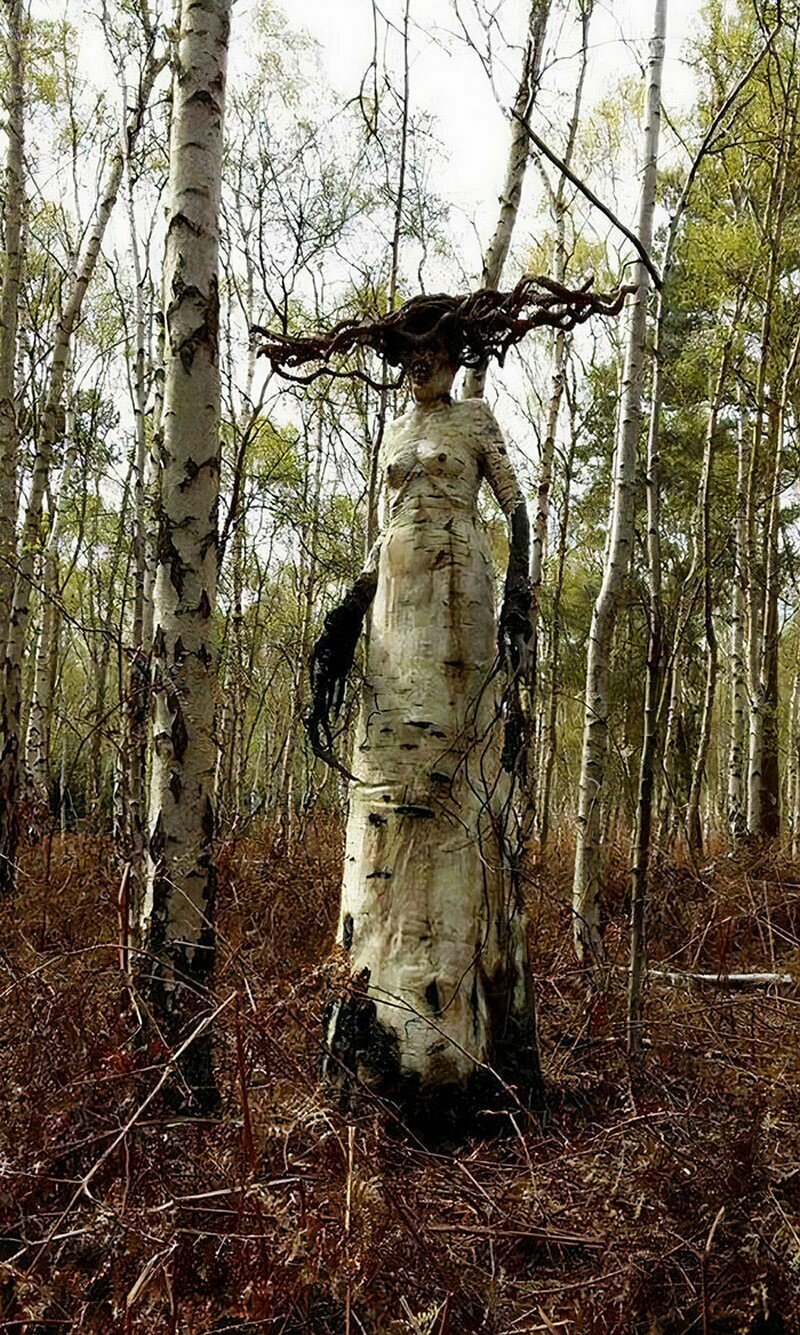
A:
(203, 98)
(168, 554)
(419, 812)
(178, 732)
(473, 1003)
(205, 604)
(181, 220)
(347, 931)
(175, 785)
(375, 819)
(205, 334)
(379, 875)
(157, 841)
(432, 997)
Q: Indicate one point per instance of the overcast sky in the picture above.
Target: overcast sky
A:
(447, 79)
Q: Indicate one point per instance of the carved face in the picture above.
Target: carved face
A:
(431, 374)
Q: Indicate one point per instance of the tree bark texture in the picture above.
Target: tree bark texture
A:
(13, 210)
(429, 914)
(588, 868)
(177, 927)
(30, 539)
(497, 250)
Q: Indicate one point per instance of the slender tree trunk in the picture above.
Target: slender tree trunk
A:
(136, 690)
(177, 929)
(13, 211)
(550, 729)
(655, 692)
(793, 765)
(497, 251)
(394, 273)
(588, 871)
(757, 610)
(703, 546)
(49, 432)
(39, 717)
(770, 770)
(560, 343)
(640, 864)
(737, 807)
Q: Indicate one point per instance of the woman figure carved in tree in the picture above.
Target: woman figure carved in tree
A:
(431, 917)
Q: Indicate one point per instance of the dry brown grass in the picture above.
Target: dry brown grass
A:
(667, 1201)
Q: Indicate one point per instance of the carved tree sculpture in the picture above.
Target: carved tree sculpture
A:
(431, 917)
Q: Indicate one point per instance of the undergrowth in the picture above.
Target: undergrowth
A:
(664, 1198)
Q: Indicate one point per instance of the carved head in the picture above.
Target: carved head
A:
(431, 374)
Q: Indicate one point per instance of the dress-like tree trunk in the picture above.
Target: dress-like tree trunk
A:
(429, 916)
(177, 930)
(588, 868)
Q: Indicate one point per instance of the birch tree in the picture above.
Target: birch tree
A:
(9, 301)
(177, 927)
(588, 864)
(516, 164)
(9, 440)
(50, 430)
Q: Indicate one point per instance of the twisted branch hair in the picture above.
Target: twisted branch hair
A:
(469, 329)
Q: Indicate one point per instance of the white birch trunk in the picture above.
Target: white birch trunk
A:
(737, 807)
(588, 870)
(37, 745)
(177, 925)
(130, 826)
(29, 543)
(757, 553)
(793, 766)
(497, 251)
(13, 209)
(560, 344)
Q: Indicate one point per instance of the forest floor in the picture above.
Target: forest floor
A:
(662, 1200)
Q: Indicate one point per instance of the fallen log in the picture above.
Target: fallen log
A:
(725, 979)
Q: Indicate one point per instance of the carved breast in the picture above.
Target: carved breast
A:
(434, 454)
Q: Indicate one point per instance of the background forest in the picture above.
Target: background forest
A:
(658, 1190)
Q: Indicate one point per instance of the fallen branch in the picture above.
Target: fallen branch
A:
(725, 979)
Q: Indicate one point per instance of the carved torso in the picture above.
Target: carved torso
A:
(423, 881)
